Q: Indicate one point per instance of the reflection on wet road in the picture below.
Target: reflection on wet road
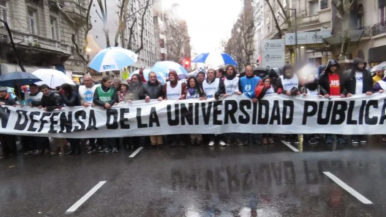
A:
(198, 181)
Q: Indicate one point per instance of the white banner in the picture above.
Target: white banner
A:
(277, 114)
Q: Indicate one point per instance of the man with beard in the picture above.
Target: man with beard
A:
(200, 77)
(154, 90)
(174, 90)
(137, 88)
(330, 82)
(358, 80)
(289, 84)
(8, 142)
(211, 87)
(247, 86)
(231, 87)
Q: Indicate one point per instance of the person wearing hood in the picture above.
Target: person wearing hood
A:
(213, 88)
(8, 142)
(174, 90)
(247, 86)
(105, 96)
(154, 89)
(71, 98)
(358, 80)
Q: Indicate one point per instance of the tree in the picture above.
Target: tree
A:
(177, 41)
(284, 14)
(84, 25)
(343, 9)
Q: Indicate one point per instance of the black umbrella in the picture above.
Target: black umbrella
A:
(17, 79)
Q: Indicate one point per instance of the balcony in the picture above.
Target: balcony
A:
(77, 10)
(378, 28)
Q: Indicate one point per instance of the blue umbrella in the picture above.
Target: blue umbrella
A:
(18, 79)
(113, 58)
(165, 67)
(215, 58)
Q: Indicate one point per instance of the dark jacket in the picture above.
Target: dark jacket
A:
(73, 100)
(98, 102)
(349, 81)
(8, 100)
(154, 90)
(220, 90)
(139, 91)
(52, 101)
(324, 80)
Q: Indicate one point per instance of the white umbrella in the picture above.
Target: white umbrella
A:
(113, 58)
(52, 78)
(379, 67)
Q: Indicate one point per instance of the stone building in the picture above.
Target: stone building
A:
(42, 35)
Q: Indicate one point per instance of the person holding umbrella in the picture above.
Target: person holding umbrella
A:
(8, 141)
(105, 96)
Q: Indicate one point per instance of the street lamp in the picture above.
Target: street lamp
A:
(296, 35)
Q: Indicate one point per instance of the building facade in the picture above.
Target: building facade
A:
(42, 34)
(159, 20)
(135, 9)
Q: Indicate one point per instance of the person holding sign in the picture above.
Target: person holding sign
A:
(211, 87)
(105, 96)
(174, 90)
(358, 80)
(8, 142)
(380, 87)
(194, 91)
(154, 88)
(247, 85)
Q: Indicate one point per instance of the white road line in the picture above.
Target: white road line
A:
(290, 146)
(350, 190)
(136, 152)
(79, 203)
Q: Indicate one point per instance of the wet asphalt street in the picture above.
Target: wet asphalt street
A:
(267, 181)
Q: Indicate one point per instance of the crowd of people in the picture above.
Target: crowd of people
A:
(212, 84)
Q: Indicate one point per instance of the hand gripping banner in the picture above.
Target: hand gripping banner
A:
(274, 114)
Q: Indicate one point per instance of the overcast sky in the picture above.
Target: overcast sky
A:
(209, 21)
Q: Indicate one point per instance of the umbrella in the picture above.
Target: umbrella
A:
(17, 79)
(379, 67)
(52, 78)
(215, 58)
(160, 77)
(113, 58)
(165, 67)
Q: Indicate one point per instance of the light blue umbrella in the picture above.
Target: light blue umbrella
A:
(113, 58)
(160, 76)
(215, 58)
(165, 67)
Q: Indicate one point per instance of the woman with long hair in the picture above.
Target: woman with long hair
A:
(194, 91)
(71, 98)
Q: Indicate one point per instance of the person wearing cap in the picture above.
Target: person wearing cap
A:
(155, 91)
(8, 141)
(356, 81)
(174, 90)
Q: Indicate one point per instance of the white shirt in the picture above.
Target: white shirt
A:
(173, 93)
(211, 89)
(288, 84)
(231, 86)
(359, 82)
(87, 93)
(313, 92)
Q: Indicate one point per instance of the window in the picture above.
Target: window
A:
(382, 18)
(323, 4)
(32, 21)
(54, 28)
(3, 12)
(314, 8)
(360, 14)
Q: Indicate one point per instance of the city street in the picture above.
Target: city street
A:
(199, 181)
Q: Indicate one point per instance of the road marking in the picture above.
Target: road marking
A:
(136, 152)
(290, 146)
(74, 207)
(350, 190)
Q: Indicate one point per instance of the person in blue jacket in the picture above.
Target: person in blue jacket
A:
(247, 85)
